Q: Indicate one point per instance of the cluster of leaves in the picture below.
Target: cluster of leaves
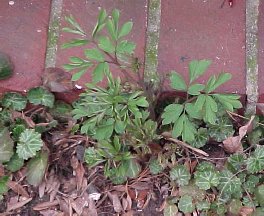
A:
(20, 138)
(239, 184)
(110, 47)
(200, 107)
(115, 117)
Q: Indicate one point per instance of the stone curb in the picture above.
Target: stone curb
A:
(252, 14)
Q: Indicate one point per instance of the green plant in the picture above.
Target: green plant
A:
(118, 161)
(20, 141)
(109, 47)
(108, 111)
(233, 185)
(200, 104)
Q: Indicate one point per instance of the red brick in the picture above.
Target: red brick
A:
(261, 52)
(85, 12)
(201, 29)
(23, 35)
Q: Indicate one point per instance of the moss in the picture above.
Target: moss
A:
(151, 52)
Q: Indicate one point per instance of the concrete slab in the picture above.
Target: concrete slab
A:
(23, 35)
(201, 29)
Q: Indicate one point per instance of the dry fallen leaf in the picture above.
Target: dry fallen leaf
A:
(45, 205)
(57, 80)
(17, 205)
(233, 144)
(17, 188)
(116, 202)
(50, 212)
(246, 211)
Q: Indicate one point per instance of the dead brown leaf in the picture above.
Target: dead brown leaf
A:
(116, 202)
(45, 205)
(233, 144)
(80, 203)
(17, 205)
(51, 212)
(57, 80)
(17, 188)
(42, 188)
(246, 211)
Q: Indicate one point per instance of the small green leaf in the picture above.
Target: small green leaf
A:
(203, 205)
(180, 174)
(99, 72)
(74, 43)
(200, 138)
(234, 207)
(229, 101)
(14, 101)
(177, 82)
(36, 168)
(178, 127)
(197, 68)
(214, 82)
(192, 111)
(111, 29)
(199, 104)
(15, 163)
(3, 184)
(29, 143)
(222, 129)
(73, 31)
(100, 22)
(185, 204)
(205, 166)
(94, 54)
(206, 179)
(259, 193)
(251, 183)
(155, 167)
(210, 110)
(104, 131)
(6, 145)
(125, 47)
(105, 44)
(170, 210)
(41, 96)
(195, 89)
(133, 169)
(189, 130)
(171, 113)
(125, 29)
(115, 16)
(76, 76)
(236, 161)
(229, 184)
(92, 158)
(71, 20)
(255, 163)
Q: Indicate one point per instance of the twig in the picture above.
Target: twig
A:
(167, 136)
(240, 116)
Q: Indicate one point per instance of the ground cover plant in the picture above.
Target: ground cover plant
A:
(108, 154)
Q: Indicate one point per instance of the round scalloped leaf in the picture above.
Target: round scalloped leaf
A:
(180, 174)
(6, 145)
(14, 101)
(170, 210)
(185, 204)
(29, 143)
(40, 96)
(155, 167)
(206, 179)
(255, 163)
(259, 194)
(36, 168)
(229, 184)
